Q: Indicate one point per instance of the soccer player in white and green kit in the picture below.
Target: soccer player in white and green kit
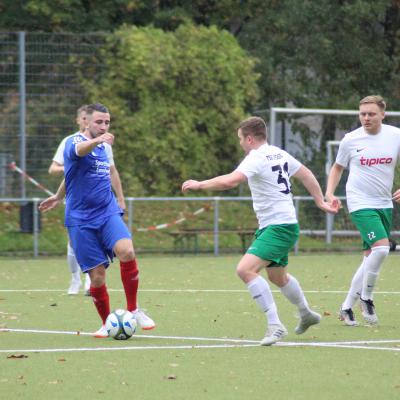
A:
(267, 169)
(370, 153)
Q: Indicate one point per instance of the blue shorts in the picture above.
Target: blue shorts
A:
(93, 243)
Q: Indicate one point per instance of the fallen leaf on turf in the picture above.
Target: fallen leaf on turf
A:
(326, 313)
(53, 305)
(61, 359)
(17, 356)
(170, 377)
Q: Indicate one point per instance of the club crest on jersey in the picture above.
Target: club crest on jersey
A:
(375, 161)
(77, 139)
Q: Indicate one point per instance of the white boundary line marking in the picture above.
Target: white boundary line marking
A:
(336, 345)
(193, 346)
(232, 343)
(78, 333)
(191, 291)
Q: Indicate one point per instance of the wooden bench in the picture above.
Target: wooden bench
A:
(187, 240)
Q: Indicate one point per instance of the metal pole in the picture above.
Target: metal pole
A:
(35, 228)
(329, 228)
(296, 206)
(130, 214)
(272, 123)
(216, 227)
(22, 108)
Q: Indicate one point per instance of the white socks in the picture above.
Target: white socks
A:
(261, 293)
(372, 266)
(72, 263)
(355, 287)
(293, 292)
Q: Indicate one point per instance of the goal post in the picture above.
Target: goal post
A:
(274, 111)
(331, 145)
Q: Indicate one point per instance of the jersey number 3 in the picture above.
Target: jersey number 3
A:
(283, 177)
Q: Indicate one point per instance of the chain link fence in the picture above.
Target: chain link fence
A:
(40, 92)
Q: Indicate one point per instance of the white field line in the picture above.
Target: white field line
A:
(336, 345)
(78, 333)
(192, 291)
(194, 346)
(362, 344)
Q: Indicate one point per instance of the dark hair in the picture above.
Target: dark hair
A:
(254, 126)
(91, 108)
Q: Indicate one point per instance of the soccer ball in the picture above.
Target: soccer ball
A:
(121, 324)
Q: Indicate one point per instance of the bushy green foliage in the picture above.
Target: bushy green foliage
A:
(176, 99)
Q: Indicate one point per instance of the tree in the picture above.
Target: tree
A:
(176, 99)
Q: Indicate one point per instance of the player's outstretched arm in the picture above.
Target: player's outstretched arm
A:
(222, 182)
(396, 196)
(56, 169)
(53, 201)
(309, 181)
(334, 177)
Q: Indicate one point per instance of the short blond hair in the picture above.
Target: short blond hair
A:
(254, 126)
(374, 99)
(80, 110)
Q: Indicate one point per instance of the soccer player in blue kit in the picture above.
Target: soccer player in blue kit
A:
(93, 216)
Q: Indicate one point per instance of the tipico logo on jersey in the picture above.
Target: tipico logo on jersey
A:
(375, 161)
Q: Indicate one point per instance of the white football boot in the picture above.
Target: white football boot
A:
(101, 333)
(274, 334)
(143, 320)
(312, 318)
(74, 286)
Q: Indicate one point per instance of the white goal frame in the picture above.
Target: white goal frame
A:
(310, 111)
(274, 111)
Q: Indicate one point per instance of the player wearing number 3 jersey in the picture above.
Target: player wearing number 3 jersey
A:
(268, 170)
(370, 153)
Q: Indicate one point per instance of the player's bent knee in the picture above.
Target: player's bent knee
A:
(97, 276)
(380, 251)
(278, 276)
(242, 272)
(124, 250)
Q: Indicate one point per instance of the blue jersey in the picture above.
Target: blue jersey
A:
(89, 196)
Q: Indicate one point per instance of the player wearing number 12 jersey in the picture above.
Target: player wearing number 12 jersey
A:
(370, 153)
(267, 170)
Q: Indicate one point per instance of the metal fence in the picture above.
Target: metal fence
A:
(194, 225)
(40, 90)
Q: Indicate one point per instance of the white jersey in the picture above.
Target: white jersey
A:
(371, 160)
(268, 170)
(59, 155)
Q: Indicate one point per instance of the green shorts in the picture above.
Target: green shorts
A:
(373, 224)
(274, 242)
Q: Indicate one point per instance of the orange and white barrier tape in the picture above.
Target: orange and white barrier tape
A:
(172, 223)
(13, 166)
